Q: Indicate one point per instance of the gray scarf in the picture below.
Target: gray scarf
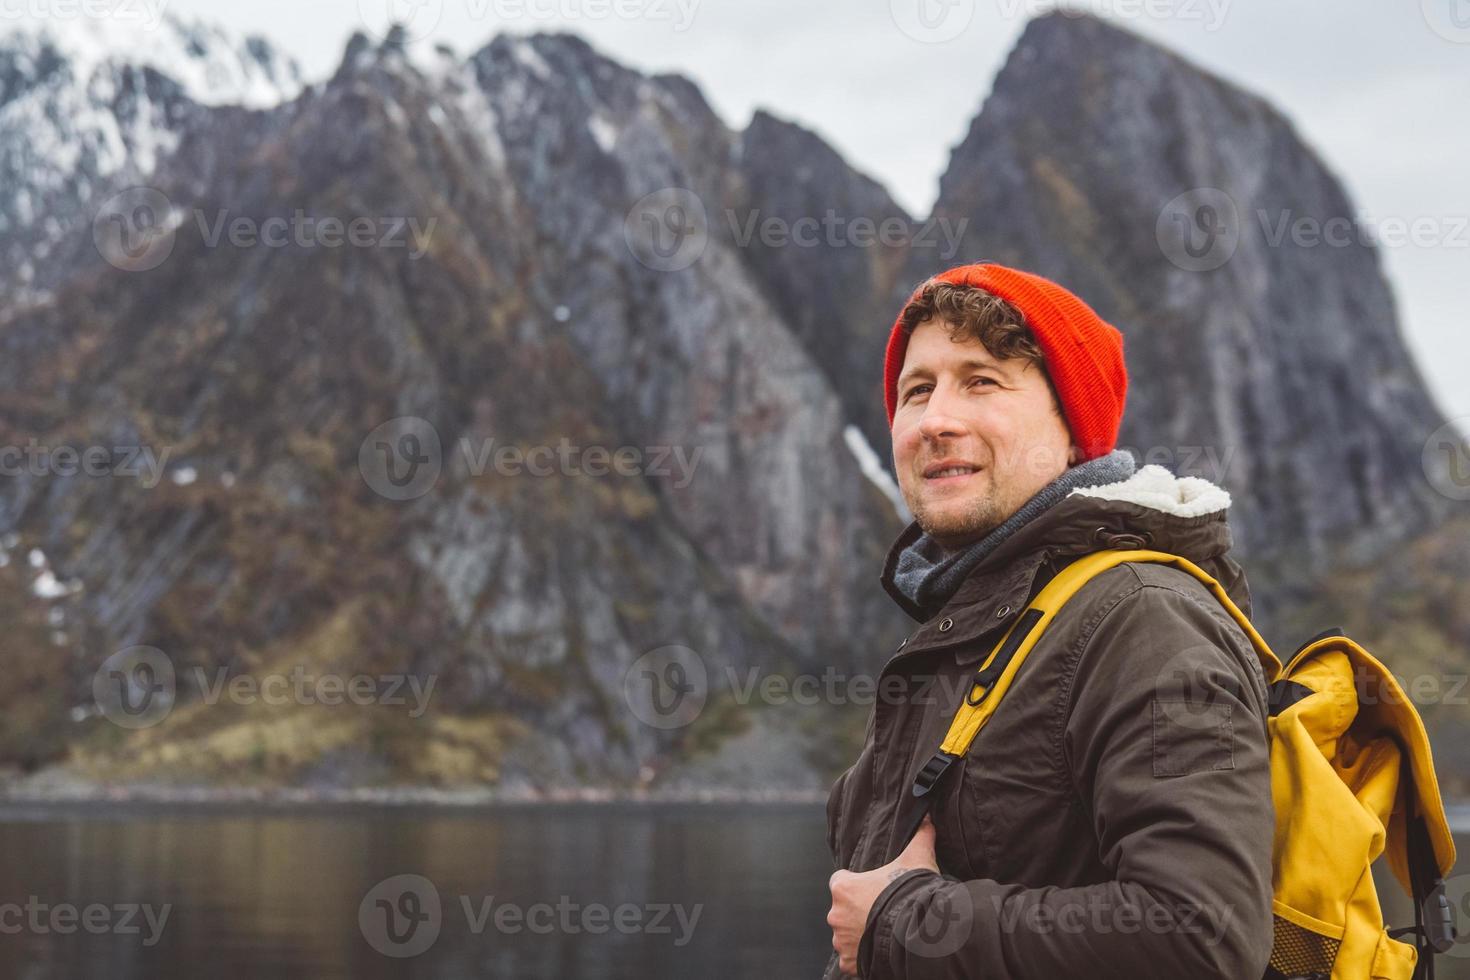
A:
(928, 575)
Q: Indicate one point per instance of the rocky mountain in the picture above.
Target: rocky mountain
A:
(1261, 355)
(501, 306)
(350, 364)
(86, 104)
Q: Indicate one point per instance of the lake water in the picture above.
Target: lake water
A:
(598, 892)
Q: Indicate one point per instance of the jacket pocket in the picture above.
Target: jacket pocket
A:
(1302, 946)
(1393, 960)
(1190, 737)
(951, 825)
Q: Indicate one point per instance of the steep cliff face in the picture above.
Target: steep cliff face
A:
(511, 312)
(90, 107)
(835, 247)
(1182, 209)
(302, 438)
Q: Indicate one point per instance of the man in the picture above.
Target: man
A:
(1114, 818)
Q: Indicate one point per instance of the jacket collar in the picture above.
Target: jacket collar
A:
(1151, 509)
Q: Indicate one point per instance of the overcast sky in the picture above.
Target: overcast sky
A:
(1380, 88)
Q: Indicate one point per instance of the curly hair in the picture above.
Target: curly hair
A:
(973, 313)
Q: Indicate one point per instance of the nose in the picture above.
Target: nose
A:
(938, 422)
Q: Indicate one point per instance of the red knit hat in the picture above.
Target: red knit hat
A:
(1084, 354)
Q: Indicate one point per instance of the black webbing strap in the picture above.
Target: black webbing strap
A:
(1434, 920)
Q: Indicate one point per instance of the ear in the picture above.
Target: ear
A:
(1073, 455)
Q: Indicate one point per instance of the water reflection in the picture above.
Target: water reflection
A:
(627, 892)
(646, 892)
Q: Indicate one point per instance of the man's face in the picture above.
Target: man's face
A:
(974, 437)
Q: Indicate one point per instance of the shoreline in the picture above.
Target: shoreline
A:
(207, 797)
(85, 797)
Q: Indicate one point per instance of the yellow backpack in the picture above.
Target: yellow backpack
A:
(1351, 777)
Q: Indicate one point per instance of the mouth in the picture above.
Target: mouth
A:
(949, 470)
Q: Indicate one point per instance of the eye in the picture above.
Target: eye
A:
(986, 380)
(917, 389)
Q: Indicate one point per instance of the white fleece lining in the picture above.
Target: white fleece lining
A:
(1155, 487)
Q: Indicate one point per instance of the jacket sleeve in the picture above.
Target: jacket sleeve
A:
(1166, 739)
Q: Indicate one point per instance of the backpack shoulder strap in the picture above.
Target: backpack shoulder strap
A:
(994, 676)
(997, 671)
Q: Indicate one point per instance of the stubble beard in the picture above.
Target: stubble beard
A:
(975, 520)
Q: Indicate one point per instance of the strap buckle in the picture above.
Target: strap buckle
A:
(933, 769)
(1439, 919)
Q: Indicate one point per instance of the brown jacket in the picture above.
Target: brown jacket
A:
(1114, 818)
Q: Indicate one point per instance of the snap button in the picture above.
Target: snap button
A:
(944, 626)
(1002, 612)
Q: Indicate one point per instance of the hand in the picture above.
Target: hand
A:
(853, 894)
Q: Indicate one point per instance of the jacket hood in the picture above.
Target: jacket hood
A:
(1153, 508)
